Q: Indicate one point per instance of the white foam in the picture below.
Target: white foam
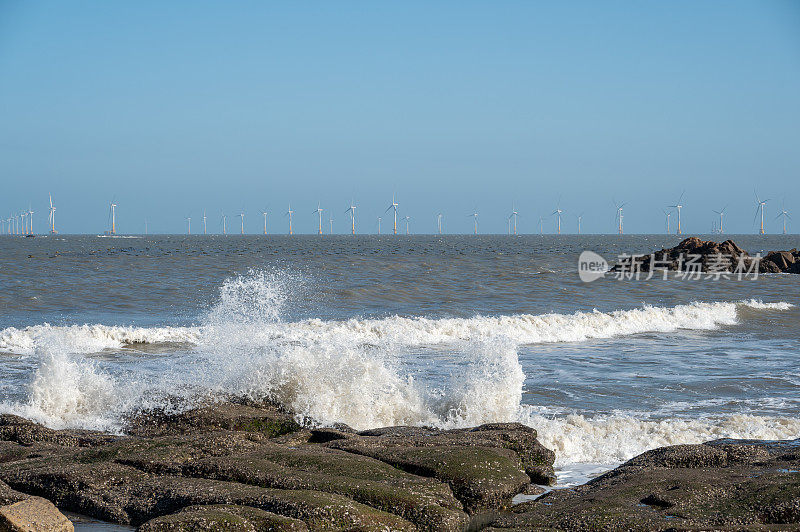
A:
(352, 371)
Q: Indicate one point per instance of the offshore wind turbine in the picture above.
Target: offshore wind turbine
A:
(224, 220)
(580, 217)
(30, 220)
(352, 211)
(330, 220)
(678, 207)
(379, 225)
(113, 214)
(439, 222)
(242, 216)
(265, 221)
(189, 225)
(204, 222)
(785, 214)
(541, 220)
(319, 212)
(558, 212)
(618, 217)
(393, 205)
(721, 214)
(475, 221)
(289, 213)
(760, 206)
(514, 216)
(667, 214)
(52, 216)
(407, 219)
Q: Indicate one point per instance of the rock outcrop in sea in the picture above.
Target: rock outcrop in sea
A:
(247, 466)
(696, 255)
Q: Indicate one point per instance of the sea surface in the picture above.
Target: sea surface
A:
(449, 331)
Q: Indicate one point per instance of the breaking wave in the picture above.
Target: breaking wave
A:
(357, 371)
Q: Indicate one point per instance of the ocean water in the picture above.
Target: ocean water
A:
(449, 331)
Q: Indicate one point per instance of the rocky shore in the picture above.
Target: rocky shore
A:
(246, 466)
(695, 255)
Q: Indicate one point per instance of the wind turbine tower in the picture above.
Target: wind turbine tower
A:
(113, 213)
(352, 211)
(30, 220)
(784, 214)
(514, 216)
(667, 214)
(224, 224)
(760, 206)
(393, 205)
(439, 222)
(52, 216)
(580, 217)
(475, 222)
(379, 225)
(319, 213)
(721, 214)
(619, 218)
(558, 212)
(407, 219)
(678, 207)
(241, 214)
(204, 222)
(189, 225)
(289, 213)
(265, 221)
(541, 220)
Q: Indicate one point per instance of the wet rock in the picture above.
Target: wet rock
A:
(33, 514)
(243, 462)
(223, 517)
(720, 485)
(696, 255)
(484, 466)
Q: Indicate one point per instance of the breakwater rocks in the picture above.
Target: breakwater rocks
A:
(695, 255)
(252, 467)
(720, 485)
(245, 466)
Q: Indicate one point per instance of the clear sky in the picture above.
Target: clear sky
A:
(175, 107)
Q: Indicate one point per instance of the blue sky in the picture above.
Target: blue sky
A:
(172, 108)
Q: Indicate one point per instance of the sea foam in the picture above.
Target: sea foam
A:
(356, 371)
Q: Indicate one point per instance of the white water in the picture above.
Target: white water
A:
(356, 371)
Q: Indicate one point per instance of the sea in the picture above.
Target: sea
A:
(445, 331)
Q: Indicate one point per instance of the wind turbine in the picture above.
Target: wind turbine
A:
(407, 219)
(678, 207)
(289, 213)
(721, 214)
(667, 214)
(204, 222)
(113, 214)
(319, 212)
(379, 225)
(514, 216)
(618, 217)
(189, 226)
(352, 211)
(330, 220)
(785, 214)
(52, 216)
(30, 220)
(541, 220)
(439, 222)
(224, 220)
(760, 206)
(475, 221)
(265, 221)
(242, 216)
(393, 205)
(580, 217)
(558, 212)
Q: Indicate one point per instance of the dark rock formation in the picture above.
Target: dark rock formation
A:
(695, 255)
(720, 485)
(252, 467)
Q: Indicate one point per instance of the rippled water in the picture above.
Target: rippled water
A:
(448, 331)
